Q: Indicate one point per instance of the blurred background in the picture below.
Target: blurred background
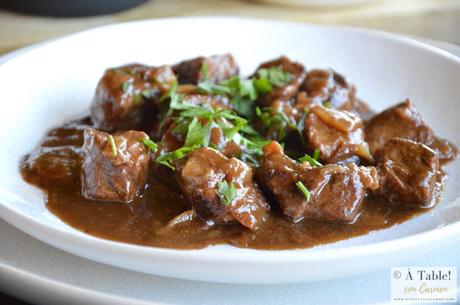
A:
(20, 25)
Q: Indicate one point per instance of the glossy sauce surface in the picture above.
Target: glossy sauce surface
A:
(149, 220)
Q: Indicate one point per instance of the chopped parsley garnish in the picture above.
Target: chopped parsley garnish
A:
(275, 121)
(112, 145)
(195, 122)
(316, 154)
(137, 99)
(168, 158)
(171, 91)
(125, 86)
(212, 88)
(275, 75)
(241, 91)
(204, 71)
(262, 85)
(227, 192)
(303, 189)
(312, 160)
(244, 92)
(150, 144)
(198, 134)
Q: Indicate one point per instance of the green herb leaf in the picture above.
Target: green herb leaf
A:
(150, 144)
(176, 99)
(125, 86)
(275, 121)
(137, 99)
(198, 135)
(316, 154)
(181, 125)
(204, 71)
(243, 106)
(227, 192)
(313, 162)
(232, 83)
(303, 189)
(215, 89)
(112, 145)
(276, 76)
(262, 85)
(244, 92)
(251, 148)
(246, 88)
(197, 111)
(172, 90)
(249, 131)
(168, 158)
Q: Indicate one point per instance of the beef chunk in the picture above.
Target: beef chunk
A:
(322, 86)
(218, 67)
(409, 173)
(336, 191)
(289, 90)
(125, 96)
(114, 171)
(70, 134)
(400, 121)
(445, 150)
(404, 121)
(51, 166)
(198, 177)
(339, 135)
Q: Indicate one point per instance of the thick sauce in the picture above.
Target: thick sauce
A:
(147, 220)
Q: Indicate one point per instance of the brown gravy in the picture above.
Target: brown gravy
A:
(145, 220)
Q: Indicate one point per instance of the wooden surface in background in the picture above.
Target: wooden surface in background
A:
(438, 19)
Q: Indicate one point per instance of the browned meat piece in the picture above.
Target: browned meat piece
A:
(400, 121)
(327, 86)
(288, 91)
(445, 150)
(70, 134)
(52, 166)
(339, 135)
(125, 96)
(336, 192)
(218, 67)
(409, 173)
(199, 176)
(404, 121)
(114, 168)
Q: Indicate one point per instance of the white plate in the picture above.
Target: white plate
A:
(54, 83)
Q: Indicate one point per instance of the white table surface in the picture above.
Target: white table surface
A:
(41, 274)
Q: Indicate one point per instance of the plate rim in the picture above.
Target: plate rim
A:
(25, 223)
(69, 291)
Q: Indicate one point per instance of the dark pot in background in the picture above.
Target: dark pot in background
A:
(69, 8)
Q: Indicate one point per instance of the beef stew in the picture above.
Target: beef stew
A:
(193, 154)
